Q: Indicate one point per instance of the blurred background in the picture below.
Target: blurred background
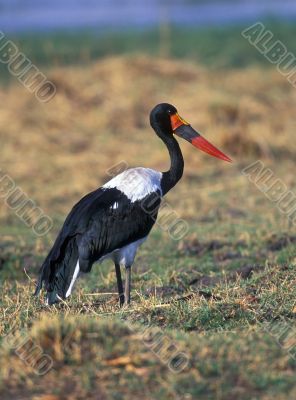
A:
(32, 15)
(74, 31)
(111, 62)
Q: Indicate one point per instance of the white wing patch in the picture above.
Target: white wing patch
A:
(115, 205)
(76, 272)
(136, 183)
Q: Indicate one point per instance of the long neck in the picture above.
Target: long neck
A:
(174, 174)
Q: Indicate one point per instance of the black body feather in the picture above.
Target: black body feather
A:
(101, 222)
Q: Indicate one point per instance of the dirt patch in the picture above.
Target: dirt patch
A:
(277, 243)
(224, 251)
(195, 247)
(228, 255)
(244, 272)
(236, 213)
(3, 260)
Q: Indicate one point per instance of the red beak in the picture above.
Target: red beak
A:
(185, 131)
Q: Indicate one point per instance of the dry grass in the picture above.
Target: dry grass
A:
(60, 150)
(99, 351)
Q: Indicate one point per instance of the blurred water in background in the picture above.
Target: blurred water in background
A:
(32, 15)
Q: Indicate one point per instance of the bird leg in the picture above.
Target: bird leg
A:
(127, 292)
(119, 284)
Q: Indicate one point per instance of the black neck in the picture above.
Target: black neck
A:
(174, 174)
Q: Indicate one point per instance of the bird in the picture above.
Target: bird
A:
(114, 220)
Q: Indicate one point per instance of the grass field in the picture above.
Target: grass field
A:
(224, 295)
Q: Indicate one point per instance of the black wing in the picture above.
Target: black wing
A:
(99, 223)
(111, 222)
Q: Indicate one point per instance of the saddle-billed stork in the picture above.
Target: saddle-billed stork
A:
(114, 220)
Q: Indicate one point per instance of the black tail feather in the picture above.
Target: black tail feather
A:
(56, 273)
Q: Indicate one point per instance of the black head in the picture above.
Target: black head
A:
(160, 117)
(166, 121)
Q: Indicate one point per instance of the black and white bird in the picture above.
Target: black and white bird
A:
(114, 220)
